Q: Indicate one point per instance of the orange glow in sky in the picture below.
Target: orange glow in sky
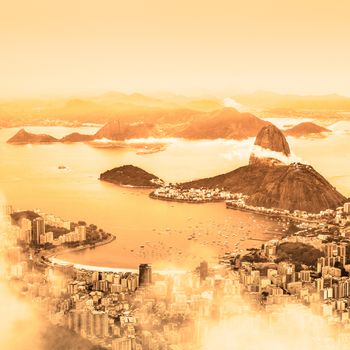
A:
(76, 46)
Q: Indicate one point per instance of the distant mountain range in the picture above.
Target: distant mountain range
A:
(116, 131)
(24, 137)
(306, 129)
(226, 123)
(76, 137)
(136, 107)
(267, 100)
(127, 108)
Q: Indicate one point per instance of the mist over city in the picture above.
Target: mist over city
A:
(174, 175)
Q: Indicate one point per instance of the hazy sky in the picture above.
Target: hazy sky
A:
(87, 46)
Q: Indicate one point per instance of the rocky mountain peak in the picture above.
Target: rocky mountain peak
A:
(269, 138)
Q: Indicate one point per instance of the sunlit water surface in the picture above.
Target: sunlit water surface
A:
(149, 230)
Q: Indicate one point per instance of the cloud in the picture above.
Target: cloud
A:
(19, 324)
(230, 102)
(290, 327)
(261, 152)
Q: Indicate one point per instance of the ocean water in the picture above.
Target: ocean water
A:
(149, 230)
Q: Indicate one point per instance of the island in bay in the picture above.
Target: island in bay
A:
(306, 129)
(270, 180)
(131, 176)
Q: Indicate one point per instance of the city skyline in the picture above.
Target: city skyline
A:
(175, 175)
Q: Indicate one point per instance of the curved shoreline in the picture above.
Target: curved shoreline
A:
(111, 269)
(247, 210)
(272, 215)
(50, 255)
(52, 258)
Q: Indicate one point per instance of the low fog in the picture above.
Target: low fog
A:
(293, 327)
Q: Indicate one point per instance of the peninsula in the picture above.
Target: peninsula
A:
(270, 180)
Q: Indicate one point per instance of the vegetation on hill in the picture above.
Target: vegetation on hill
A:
(298, 253)
(60, 338)
(270, 183)
(291, 187)
(25, 214)
(129, 175)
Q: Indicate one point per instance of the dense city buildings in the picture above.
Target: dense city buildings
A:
(175, 175)
(307, 269)
(192, 195)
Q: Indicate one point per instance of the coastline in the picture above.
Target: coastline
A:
(113, 269)
(153, 196)
(243, 209)
(272, 215)
(52, 255)
(128, 186)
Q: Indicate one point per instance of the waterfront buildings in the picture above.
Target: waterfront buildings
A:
(174, 311)
(80, 232)
(192, 195)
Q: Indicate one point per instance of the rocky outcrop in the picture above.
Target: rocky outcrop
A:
(272, 138)
(129, 175)
(273, 184)
(270, 145)
(306, 129)
(292, 187)
(24, 137)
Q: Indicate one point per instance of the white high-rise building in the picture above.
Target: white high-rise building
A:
(121, 344)
(49, 237)
(347, 208)
(81, 232)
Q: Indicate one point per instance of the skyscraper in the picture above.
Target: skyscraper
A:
(80, 230)
(347, 208)
(145, 274)
(38, 228)
(203, 270)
